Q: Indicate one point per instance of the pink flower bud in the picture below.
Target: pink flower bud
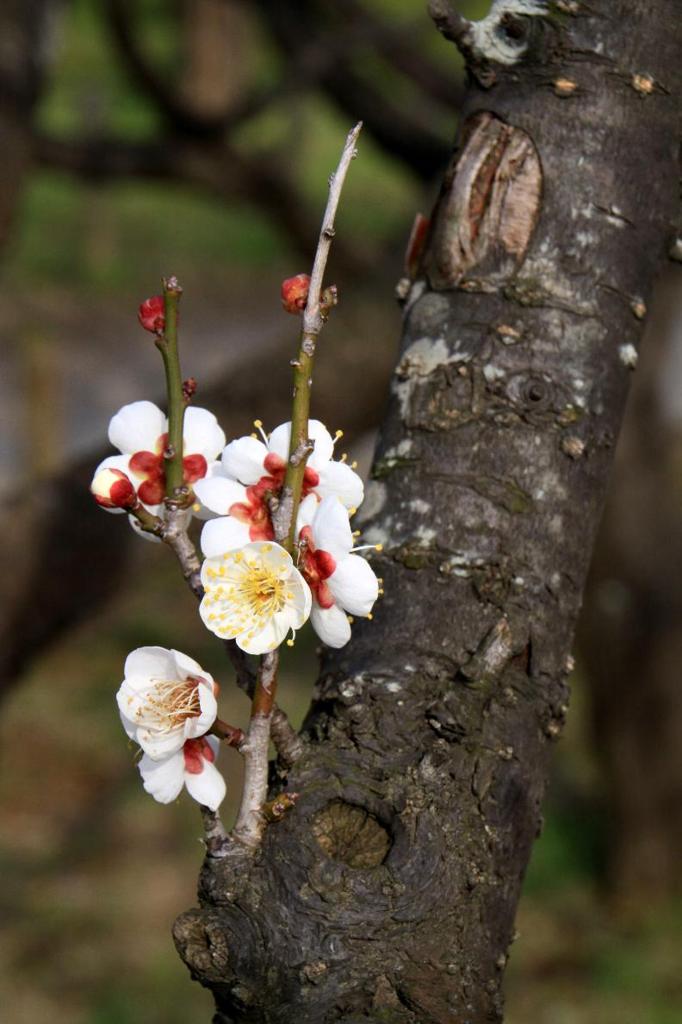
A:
(151, 314)
(295, 293)
(111, 488)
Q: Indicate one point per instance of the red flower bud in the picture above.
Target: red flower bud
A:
(111, 488)
(151, 314)
(295, 293)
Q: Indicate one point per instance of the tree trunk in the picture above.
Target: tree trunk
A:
(630, 636)
(389, 892)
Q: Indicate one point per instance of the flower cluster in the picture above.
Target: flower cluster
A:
(167, 704)
(255, 593)
(140, 432)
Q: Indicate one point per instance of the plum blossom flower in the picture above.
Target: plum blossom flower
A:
(165, 699)
(191, 766)
(139, 431)
(252, 470)
(340, 581)
(254, 595)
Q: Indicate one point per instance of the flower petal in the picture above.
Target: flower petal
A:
(159, 746)
(270, 635)
(306, 512)
(331, 625)
(324, 445)
(354, 585)
(147, 663)
(207, 787)
(339, 479)
(280, 439)
(224, 534)
(130, 698)
(219, 492)
(163, 779)
(297, 611)
(243, 459)
(202, 434)
(131, 730)
(115, 462)
(331, 528)
(185, 667)
(137, 427)
(209, 710)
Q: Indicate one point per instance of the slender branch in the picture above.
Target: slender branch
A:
(289, 744)
(450, 23)
(230, 734)
(215, 835)
(167, 345)
(175, 535)
(313, 321)
(147, 520)
(251, 822)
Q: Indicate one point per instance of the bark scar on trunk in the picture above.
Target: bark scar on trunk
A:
(488, 209)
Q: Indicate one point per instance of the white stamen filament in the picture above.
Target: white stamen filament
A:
(170, 703)
(258, 424)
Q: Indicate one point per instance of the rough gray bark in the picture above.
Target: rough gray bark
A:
(388, 893)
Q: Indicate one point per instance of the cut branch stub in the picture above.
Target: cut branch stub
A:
(351, 835)
(488, 209)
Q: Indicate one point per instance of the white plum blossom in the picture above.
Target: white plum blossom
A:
(165, 699)
(340, 581)
(191, 766)
(250, 470)
(254, 595)
(140, 432)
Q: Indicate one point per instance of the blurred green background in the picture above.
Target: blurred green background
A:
(94, 871)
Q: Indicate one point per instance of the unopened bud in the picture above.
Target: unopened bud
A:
(295, 293)
(151, 314)
(111, 488)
